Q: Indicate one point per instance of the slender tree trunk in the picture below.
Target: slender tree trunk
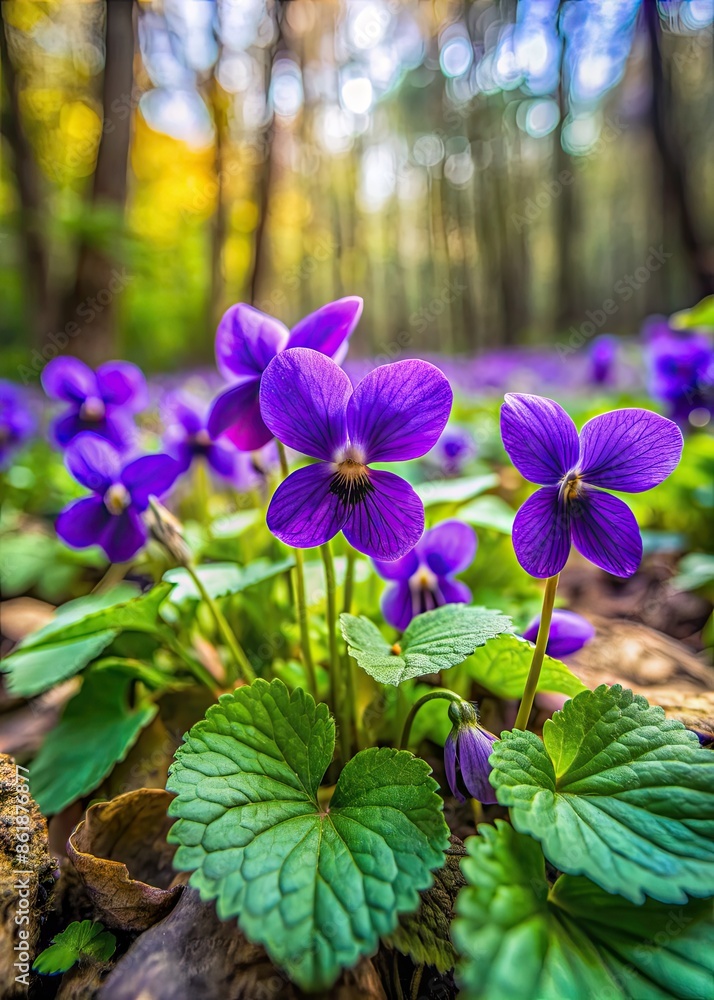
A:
(99, 280)
(672, 160)
(39, 302)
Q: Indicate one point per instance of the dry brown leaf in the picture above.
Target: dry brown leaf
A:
(120, 852)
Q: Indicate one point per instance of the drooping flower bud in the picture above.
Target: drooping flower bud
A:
(466, 754)
(168, 531)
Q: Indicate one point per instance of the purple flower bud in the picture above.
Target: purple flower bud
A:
(466, 754)
(568, 633)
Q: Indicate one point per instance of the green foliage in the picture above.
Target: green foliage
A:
(695, 571)
(75, 637)
(80, 941)
(502, 665)
(97, 729)
(489, 512)
(316, 886)
(522, 939)
(455, 491)
(433, 641)
(221, 579)
(617, 792)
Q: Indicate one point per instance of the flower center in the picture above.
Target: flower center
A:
(201, 441)
(425, 592)
(350, 482)
(92, 409)
(571, 486)
(117, 498)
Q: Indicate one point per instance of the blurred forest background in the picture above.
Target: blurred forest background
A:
(484, 174)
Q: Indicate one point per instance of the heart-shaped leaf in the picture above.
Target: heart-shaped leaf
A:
(76, 636)
(521, 938)
(97, 729)
(433, 641)
(502, 665)
(617, 792)
(318, 886)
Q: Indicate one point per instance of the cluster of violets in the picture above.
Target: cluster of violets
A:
(289, 385)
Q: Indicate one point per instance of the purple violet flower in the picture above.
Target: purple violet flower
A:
(100, 401)
(17, 421)
(453, 450)
(568, 633)
(396, 413)
(466, 754)
(111, 518)
(187, 438)
(630, 450)
(423, 578)
(602, 357)
(681, 371)
(246, 342)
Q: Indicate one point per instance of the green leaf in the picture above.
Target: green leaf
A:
(221, 579)
(456, 491)
(97, 729)
(316, 886)
(522, 939)
(695, 570)
(79, 941)
(74, 638)
(433, 641)
(617, 792)
(502, 665)
(489, 512)
(699, 317)
(425, 935)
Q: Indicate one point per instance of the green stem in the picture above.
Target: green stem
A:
(300, 599)
(524, 711)
(348, 664)
(244, 669)
(335, 672)
(436, 693)
(201, 674)
(115, 573)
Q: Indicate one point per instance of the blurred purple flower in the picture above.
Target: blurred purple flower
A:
(246, 342)
(466, 754)
(187, 438)
(602, 357)
(568, 633)
(111, 518)
(423, 578)
(453, 450)
(17, 421)
(680, 370)
(396, 413)
(100, 401)
(630, 450)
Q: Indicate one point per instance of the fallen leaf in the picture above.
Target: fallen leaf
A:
(120, 852)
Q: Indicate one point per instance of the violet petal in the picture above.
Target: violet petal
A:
(397, 605)
(82, 523)
(605, 531)
(448, 548)
(539, 436)
(389, 521)
(303, 512)
(236, 413)
(327, 329)
(247, 340)
(630, 450)
(541, 533)
(93, 462)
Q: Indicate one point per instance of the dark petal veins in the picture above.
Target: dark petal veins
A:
(303, 511)
(303, 398)
(389, 521)
(398, 411)
(473, 749)
(539, 436)
(605, 532)
(450, 767)
(246, 341)
(397, 605)
(630, 450)
(326, 329)
(541, 533)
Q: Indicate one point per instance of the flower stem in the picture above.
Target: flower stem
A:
(244, 669)
(430, 696)
(348, 666)
(114, 574)
(337, 694)
(300, 600)
(524, 711)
